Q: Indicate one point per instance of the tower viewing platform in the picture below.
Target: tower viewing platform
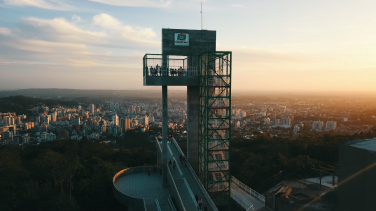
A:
(170, 70)
(189, 58)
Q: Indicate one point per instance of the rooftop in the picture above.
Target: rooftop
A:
(368, 144)
(140, 185)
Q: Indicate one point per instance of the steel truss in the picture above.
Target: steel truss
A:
(215, 124)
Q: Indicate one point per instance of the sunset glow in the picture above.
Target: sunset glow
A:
(314, 46)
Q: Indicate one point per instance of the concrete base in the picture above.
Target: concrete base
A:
(192, 126)
(164, 135)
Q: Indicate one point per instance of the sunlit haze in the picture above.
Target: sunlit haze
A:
(289, 45)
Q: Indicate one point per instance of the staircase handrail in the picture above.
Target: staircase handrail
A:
(211, 204)
(259, 197)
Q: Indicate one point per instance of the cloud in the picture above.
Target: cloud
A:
(47, 47)
(44, 4)
(138, 35)
(76, 19)
(5, 31)
(74, 46)
(134, 3)
(105, 31)
(60, 28)
(107, 21)
(263, 58)
(238, 6)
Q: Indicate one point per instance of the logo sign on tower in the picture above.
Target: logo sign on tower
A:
(181, 39)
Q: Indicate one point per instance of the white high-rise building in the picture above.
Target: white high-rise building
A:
(286, 122)
(91, 108)
(122, 125)
(237, 124)
(138, 110)
(115, 120)
(127, 124)
(45, 119)
(276, 122)
(112, 108)
(296, 129)
(146, 121)
(331, 125)
(53, 117)
(19, 119)
(8, 120)
(77, 121)
(317, 125)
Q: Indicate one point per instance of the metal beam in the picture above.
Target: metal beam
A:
(164, 135)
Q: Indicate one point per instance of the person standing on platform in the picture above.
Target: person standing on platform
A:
(199, 204)
(196, 197)
(174, 165)
(184, 160)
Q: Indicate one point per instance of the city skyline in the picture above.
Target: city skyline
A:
(277, 46)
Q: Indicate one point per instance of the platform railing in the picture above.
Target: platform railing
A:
(259, 197)
(175, 190)
(209, 201)
(242, 201)
(210, 204)
(172, 72)
(190, 192)
(172, 206)
(136, 203)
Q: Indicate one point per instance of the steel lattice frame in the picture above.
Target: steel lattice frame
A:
(215, 124)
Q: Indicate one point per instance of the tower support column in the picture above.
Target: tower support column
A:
(164, 135)
(192, 125)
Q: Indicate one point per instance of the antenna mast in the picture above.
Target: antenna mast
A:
(201, 16)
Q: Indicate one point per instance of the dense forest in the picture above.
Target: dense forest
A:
(77, 175)
(263, 162)
(67, 174)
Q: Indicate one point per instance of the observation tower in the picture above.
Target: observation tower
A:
(189, 58)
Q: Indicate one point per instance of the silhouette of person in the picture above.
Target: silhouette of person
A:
(199, 203)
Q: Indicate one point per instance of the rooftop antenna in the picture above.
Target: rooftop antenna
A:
(201, 16)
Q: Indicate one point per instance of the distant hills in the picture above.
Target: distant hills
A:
(79, 93)
(21, 100)
(21, 104)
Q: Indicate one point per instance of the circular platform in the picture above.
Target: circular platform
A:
(134, 188)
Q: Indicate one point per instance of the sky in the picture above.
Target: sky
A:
(277, 45)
